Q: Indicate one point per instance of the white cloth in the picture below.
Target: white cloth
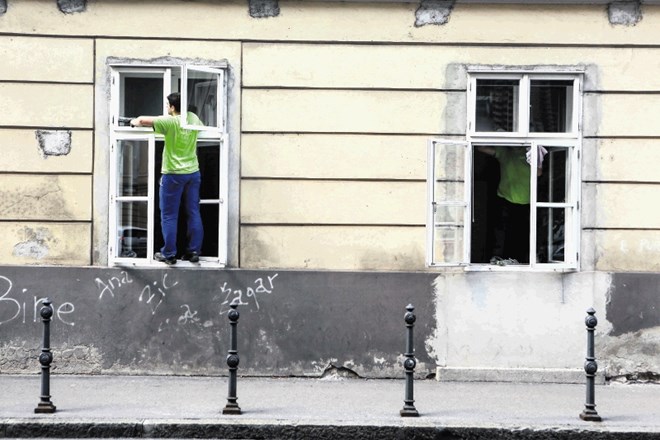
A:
(541, 152)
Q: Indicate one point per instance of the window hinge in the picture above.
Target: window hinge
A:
(578, 204)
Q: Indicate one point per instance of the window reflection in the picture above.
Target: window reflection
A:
(551, 106)
(496, 106)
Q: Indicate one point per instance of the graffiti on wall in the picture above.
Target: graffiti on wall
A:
(18, 305)
(14, 308)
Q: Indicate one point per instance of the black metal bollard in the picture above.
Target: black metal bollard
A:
(45, 359)
(409, 365)
(232, 362)
(590, 367)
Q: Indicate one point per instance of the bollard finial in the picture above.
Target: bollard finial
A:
(45, 405)
(232, 361)
(590, 367)
(409, 364)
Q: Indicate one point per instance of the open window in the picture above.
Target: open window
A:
(204, 96)
(519, 204)
(448, 203)
(136, 158)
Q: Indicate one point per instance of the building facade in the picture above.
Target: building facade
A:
(347, 172)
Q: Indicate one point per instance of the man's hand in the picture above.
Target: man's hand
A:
(143, 121)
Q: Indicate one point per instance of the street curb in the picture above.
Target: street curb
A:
(294, 431)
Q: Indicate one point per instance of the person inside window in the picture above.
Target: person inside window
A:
(511, 228)
(180, 180)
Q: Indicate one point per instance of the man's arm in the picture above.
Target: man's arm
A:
(488, 150)
(143, 121)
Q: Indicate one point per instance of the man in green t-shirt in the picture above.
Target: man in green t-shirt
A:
(180, 179)
(511, 231)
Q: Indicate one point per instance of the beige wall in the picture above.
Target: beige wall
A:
(332, 105)
(46, 85)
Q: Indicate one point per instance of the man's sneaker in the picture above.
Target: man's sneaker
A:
(163, 259)
(193, 257)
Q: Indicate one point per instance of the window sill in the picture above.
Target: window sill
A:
(182, 264)
(516, 268)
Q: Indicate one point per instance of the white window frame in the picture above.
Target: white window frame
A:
(571, 140)
(119, 133)
(220, 93)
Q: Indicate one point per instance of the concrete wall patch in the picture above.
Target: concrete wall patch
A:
(72, 6)
(35, 245)
(54, 143)
(264, 8)
(433, 12)
(626, 13)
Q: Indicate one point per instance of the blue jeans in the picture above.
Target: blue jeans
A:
(173, 189)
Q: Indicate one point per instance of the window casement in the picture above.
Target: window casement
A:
(523, 117)
(136, 155)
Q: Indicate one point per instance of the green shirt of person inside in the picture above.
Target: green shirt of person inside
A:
(180, 155)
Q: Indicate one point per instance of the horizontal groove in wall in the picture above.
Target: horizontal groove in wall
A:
(429, 90)
(47, 173)
(37, 220)
(331, 179)
(622, 182)
(332, 225)
(623, 92)
(33, 127)
(619, 229)
(358, 89)
(341, 42)
(351, 133)
(73, 83)
(621, 137)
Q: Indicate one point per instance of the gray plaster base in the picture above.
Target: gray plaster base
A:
(515, 375)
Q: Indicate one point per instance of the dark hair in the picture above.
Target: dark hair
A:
(175, 101)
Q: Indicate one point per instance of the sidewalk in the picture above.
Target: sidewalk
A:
(186, 407)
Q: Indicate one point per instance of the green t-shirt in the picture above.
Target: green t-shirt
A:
(180, 152)
(514, 175)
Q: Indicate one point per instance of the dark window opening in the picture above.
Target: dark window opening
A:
(208, 153)
(500, 228)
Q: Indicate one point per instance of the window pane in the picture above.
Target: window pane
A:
(202, 96)
(497, 105)
(448, 244)
(140, 93)
(500, 204)
(208, 153)
(551, 106)
(210, 219)
(449, 192)
(132, 230)
(553, 181)
(449, 215)
(449, 162)
(550, 238)
(132, 167)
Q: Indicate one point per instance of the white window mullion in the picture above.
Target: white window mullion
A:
(223, 219)
(167, 87)
(430, 203)
(112, 209)
(533, 185)
(523, 129)
(151, 197)
(467, 198)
